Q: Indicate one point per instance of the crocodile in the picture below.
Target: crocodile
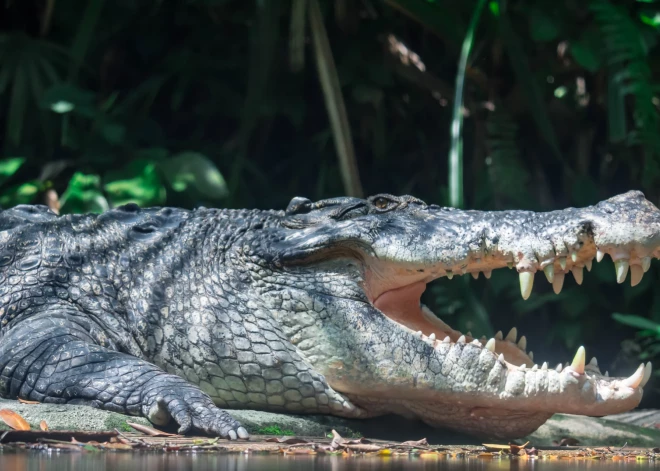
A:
(180, 315)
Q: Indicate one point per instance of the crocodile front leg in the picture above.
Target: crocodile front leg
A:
(51, 358)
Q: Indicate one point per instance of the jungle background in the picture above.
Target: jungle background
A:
(484, 104)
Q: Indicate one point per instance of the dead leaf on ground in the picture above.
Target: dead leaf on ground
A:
(14, 420)
(515, 449)
(25, 401)
(150, 430)
(287, 440)
(43, 426)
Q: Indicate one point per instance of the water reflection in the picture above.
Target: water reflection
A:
(54, 461)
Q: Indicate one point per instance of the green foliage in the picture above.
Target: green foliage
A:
(274, 430)
(246, 104)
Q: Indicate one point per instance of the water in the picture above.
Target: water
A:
(67, 461)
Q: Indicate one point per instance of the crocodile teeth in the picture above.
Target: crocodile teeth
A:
(522, 343)
(487, 274)
(476, 342)
(646, 263)
(574, 256)
(544, 366)
(526, 283)
(483, 339)
(621, 267)
(509, 265)
(558, 283)
(578, 361)
(578, 274)
(432, 337)
(475, 275)
(535, 367)
(490, 345)
(636, 379)
(500, 358)
(559, 367)
(499, 335)
(549, 271)
(446, 339)
(450, 274)
(599, 255)
(636, 274)
(461, 339)
(468, 334)
(647, 374)
(418, 333)
(562, 263)
(593, 362)
(607, 373)
(531, 355)
(512, 335)
(588, 264)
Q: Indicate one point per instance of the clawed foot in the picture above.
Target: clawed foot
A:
(192, 409)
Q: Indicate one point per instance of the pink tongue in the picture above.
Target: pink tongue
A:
(402, 304)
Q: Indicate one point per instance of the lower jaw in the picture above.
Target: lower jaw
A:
(480, 422)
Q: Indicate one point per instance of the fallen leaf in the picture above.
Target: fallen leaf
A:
(150, 430)
(14, 420)
(493, 446)
(422, 442)
(25, 401)
(43, 426)
(515, 449)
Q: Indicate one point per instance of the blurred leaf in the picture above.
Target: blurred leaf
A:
(191, 169)
(84, 36)
(586, 50)
(9, 167)
(139, 183)
(114, 133)
(83, 195)
(63, 98)
(637, 321)
(24, 193)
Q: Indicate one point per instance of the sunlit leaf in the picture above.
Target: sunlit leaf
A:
(83, 195)
(13, 419)
(9, 167)
(191, 169)
(636, 321)
(139, 183)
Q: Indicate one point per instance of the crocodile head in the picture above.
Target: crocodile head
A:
(355, 270)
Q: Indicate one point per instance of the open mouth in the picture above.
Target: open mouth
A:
(403, 306)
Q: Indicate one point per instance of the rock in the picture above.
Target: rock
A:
(70, 417)
(593, 431)
(588, 431)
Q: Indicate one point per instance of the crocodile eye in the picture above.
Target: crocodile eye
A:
(382, 203)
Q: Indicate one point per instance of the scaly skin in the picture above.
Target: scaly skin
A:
(177, 315)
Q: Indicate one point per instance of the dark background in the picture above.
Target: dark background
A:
(247, 103)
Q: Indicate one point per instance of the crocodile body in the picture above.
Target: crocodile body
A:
(180, 315)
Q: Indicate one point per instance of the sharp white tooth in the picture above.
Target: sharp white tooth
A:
(574, 256)
(636, 274)
(578, 361)
(648, 369)
(562, 263)
(636, 379)
(450, 274)
(512, 335)
(446, 339)
(549, 271)
(522, 367)
(621, 267)
(535, 367)
(509, 265)
(500, 358)
(531, 355)
(588, 264)
(558, 368)
(418, 333)
(526, 283)
(578, 274)
(558, 283)
(522, 343)
(487, 274)
(461, 339)
(490, 345)
(499, 335)
(432, 337)
(544, 366)
(599, 255)
(593, 362)
(476, 342)
(646, 263)
(475, 275)
(607, 374)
